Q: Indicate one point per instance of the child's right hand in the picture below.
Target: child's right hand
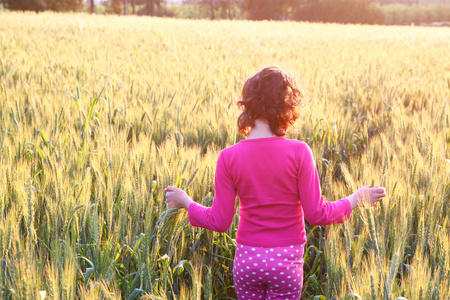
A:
(177, 198)
(366, 196)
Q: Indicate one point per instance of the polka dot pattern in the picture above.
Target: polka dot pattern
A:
(268, 273)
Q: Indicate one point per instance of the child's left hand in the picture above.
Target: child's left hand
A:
(176, 198)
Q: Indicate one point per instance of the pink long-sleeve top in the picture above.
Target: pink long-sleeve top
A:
(277, 183)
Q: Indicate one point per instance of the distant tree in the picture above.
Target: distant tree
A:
(339, 11)
(211, 8)
(115, 7)
(409, 2)
(154, 8)
(92, 6)
(64, 5)
(40, 5)
(150, 6)
(226, 8)
(267, 9)
(35, 5)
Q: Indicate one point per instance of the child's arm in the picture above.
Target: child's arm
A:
(320, 212)
(218, 217)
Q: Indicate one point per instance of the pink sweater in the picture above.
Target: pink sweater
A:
(277, 183)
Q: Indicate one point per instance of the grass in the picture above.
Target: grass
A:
(100, 113)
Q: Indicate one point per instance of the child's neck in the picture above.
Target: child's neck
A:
(260, 130)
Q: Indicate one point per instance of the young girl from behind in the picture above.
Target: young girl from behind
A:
(278, 186)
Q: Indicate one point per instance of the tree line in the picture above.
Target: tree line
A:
(78, 5)
(339, 11)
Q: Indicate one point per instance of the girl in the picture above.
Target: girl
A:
(278, 185)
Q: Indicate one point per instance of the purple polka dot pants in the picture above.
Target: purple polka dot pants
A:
(268, 273)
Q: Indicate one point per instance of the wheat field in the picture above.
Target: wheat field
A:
(100, 113)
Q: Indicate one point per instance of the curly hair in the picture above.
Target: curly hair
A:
(271, 95)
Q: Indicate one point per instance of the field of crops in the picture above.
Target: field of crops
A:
(100, 113)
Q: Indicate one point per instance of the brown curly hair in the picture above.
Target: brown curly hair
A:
(271, 95)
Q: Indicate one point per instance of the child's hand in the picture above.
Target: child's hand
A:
(366, 196)
(176, 198)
